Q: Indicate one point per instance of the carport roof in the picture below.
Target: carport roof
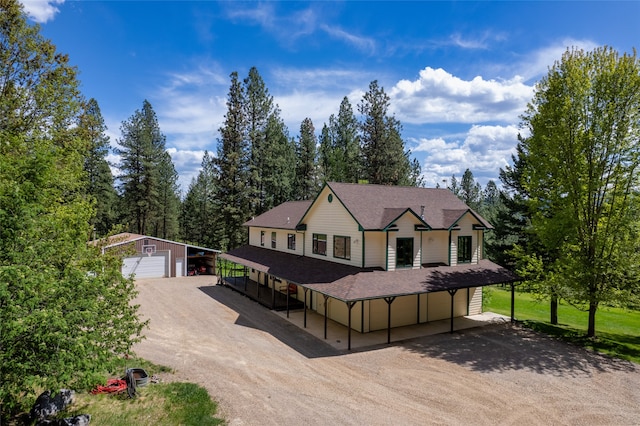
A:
(349, 283)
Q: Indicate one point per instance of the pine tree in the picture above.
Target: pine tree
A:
(91, 128)
(258, 107)
(384, 156)
(141, 150)
(306, 178)
(235, 167)
(166, 223)
(279, 157)
(200, 219)
(470, 191)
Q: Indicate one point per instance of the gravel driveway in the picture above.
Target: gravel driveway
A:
(263, 370)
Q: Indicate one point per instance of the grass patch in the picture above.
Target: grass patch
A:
(617, 330)
(155, 404)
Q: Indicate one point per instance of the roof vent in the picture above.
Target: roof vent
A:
(422, 212)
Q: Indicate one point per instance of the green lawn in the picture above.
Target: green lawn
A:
(617, 330)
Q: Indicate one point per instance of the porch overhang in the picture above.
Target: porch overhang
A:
(352, 284)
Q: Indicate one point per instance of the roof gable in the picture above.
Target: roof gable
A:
(373, 206)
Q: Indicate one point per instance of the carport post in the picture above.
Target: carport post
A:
(287, 298)
(452, 293)
(325, 316)
(389, 301)
(305, 306)
(349, 306)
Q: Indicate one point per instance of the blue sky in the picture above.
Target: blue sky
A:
(459, 74)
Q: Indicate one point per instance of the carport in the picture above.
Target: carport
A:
(351, 285)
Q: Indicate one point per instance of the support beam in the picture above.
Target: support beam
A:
(452, 293)
(389, 301)
(305, 306)
(349, 306)
(325, 315)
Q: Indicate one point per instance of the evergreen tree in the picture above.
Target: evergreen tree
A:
(258, 107)
(200, 211)
(65, 309)
(306, 178)
(385, 160)
(470, 191)
(166, 223)
(141, 150)
(279, 157)
(236, 168)
(91, 128)
(339, 156)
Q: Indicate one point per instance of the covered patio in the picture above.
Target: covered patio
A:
(352, 285)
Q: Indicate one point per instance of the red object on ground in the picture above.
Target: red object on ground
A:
(112, 386)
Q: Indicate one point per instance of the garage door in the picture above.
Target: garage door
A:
(145, 266)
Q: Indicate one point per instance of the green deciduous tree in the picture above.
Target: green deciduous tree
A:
(581, 172)
(65, 311)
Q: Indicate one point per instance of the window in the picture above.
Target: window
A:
(291, 241)
(262, 238)
(342, 247)
(404, 253)
(464, 249)
(320, 244)
(273, 240)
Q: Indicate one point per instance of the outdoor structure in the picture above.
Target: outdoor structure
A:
(151, 257)
(370, 257)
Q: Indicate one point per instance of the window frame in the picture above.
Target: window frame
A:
(262, 238)
(346, 247)
(291, 241)
(407, 265)
(316, 244)
(273, 239)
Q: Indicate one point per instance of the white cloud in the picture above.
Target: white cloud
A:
(41, 11)
(537, 63)
(438, 96)
(364, 44)
(484, 150)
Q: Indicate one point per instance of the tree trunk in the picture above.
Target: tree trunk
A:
(554, 309)
(591, 331)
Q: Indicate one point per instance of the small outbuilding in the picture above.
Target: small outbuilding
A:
(152, 257)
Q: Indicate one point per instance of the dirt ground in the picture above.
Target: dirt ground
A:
(263, 370)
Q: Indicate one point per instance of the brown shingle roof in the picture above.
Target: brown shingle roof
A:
(372, 205)
(285, 216)
(349, 283)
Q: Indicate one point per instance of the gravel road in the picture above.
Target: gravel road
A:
(263, 370)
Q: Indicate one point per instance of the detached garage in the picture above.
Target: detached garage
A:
(151, 257)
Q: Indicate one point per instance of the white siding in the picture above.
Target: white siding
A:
(475, 300)
(374, 247)
(281, 239)
(332, 218)
(435, 245)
